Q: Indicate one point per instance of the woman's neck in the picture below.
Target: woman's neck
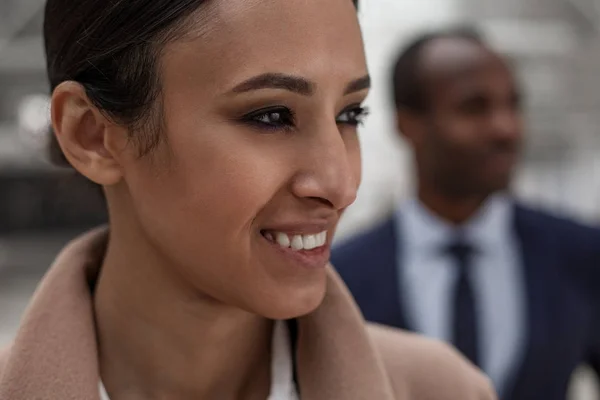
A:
(158, 338)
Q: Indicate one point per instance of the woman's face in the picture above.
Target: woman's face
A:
(261, 154)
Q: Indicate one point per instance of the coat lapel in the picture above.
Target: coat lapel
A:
(54, 355)
(336, 359)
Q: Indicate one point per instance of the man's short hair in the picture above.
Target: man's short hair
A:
(408, 85)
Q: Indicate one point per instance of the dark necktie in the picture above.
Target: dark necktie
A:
(464, 327)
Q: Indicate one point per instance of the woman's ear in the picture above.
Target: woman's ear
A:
(88, 139)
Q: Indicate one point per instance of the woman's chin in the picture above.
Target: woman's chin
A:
(293, 304)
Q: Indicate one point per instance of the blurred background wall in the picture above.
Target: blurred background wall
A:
(555, 48)
(554, 45)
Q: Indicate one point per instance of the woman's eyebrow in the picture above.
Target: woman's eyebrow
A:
(272, 80)
(295, 84)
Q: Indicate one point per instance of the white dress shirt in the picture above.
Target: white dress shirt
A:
(428, 276)
(283, 386)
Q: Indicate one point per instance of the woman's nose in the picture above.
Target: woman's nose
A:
(331, 170)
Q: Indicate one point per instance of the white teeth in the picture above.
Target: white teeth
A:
(321, 239)
(283, 239)
(298, 242)
(310, 241)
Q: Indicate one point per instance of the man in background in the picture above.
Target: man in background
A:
(516, 290)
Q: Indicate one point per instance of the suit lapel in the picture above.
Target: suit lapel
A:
(398, 277)
(536, 262)
(384, 293)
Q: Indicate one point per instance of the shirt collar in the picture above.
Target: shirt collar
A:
(485, 230)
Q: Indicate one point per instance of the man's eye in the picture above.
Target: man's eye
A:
(353, 116)
(273, 118)
(476, 105)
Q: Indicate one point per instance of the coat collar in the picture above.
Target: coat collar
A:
(54, 355)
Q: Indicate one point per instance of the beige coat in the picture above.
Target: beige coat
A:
(54, 355)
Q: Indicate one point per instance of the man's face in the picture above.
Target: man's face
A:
(472, 132)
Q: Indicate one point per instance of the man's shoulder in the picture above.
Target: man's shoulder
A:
(549, 219)
(424, 368)
(559, 231)
(364, 243)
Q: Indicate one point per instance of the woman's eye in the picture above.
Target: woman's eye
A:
(353, 116)
(274, 118)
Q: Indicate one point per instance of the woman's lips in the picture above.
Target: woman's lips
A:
(309, 250)
(296, 242)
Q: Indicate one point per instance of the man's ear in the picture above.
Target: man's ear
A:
(410, 125)
(88, 139)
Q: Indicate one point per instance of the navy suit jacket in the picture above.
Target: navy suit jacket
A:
(562, 276)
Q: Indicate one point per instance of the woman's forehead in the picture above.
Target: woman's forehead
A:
(240, 38)
(242, 13)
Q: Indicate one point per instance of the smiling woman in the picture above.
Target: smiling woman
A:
(224, 136)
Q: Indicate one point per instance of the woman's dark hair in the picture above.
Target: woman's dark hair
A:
(112, 48)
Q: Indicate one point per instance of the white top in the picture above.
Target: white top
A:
(282, 368)
(428, 276)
